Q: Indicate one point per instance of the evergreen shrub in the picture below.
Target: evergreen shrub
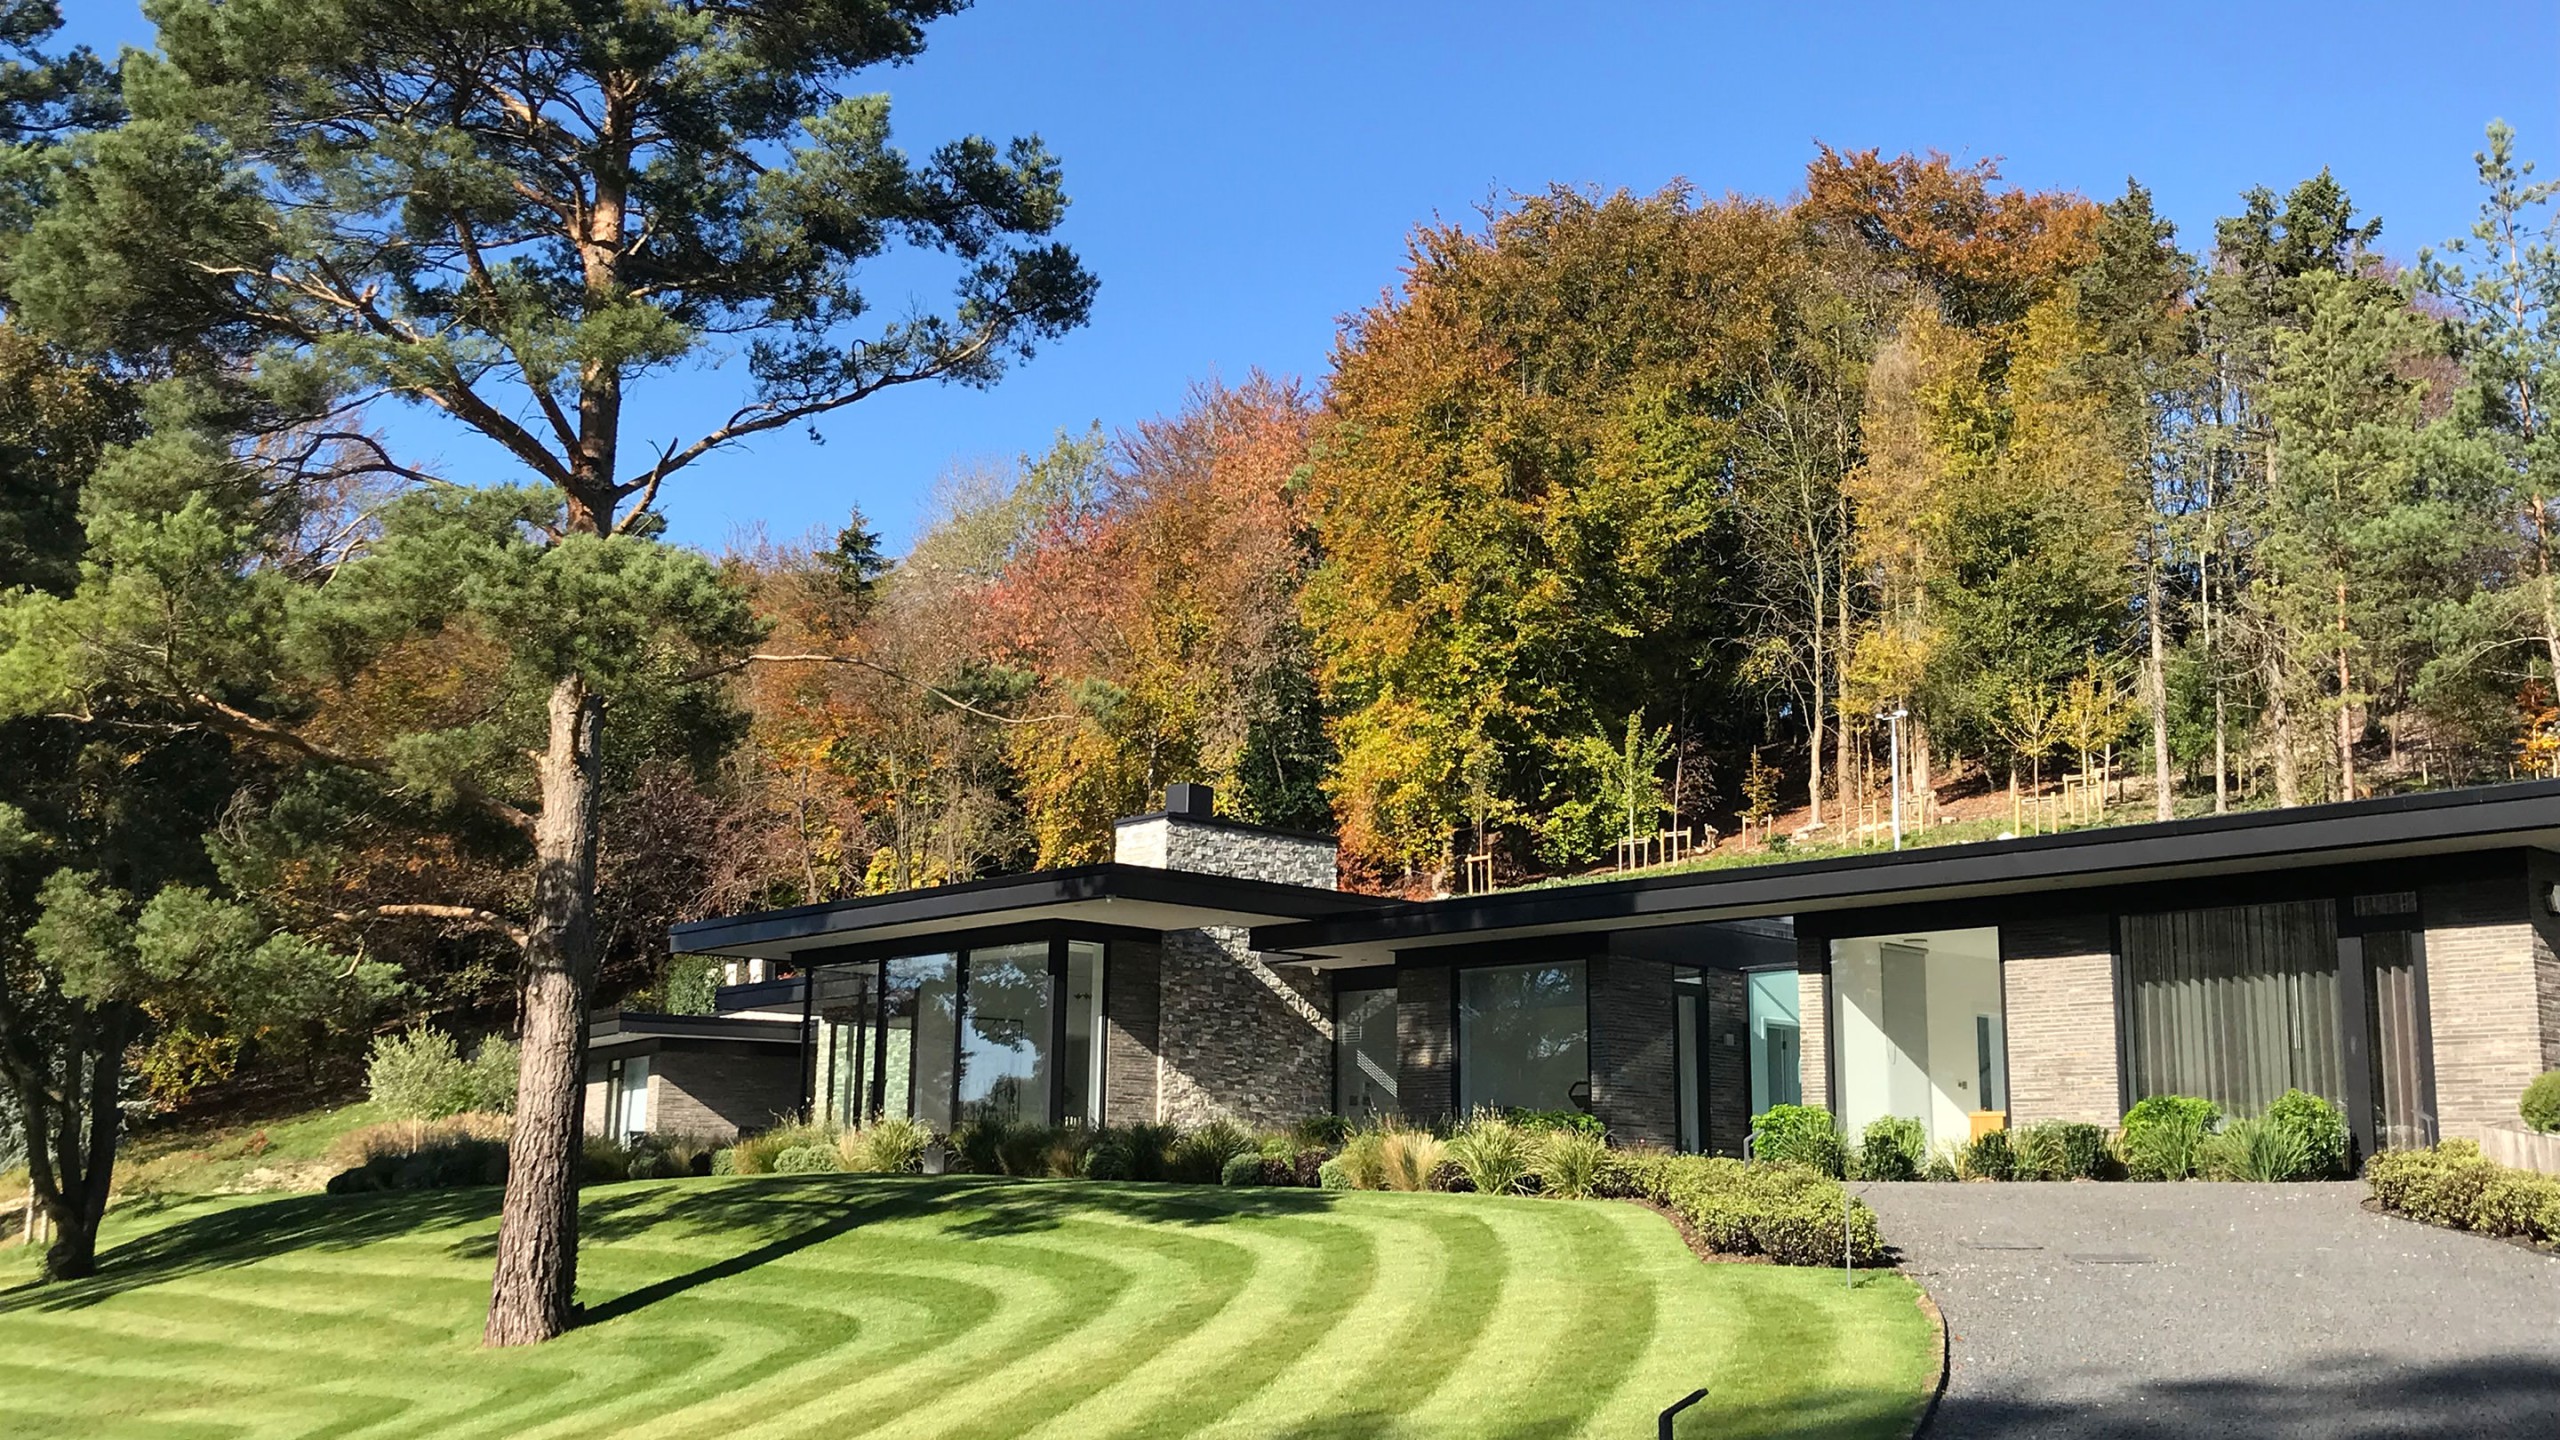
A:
(1891, 1149)
(2541, 1103)
(1803, 1135)
(2319, 1127)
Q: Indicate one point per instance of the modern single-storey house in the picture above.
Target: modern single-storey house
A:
(2397, 955)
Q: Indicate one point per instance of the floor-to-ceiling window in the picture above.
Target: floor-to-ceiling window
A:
(1005, 1044)
(1920, 1030)
(1364, 1046)
(1080, 1068)
(1009, 1032)
(920, 1009)
(1524, 1037)
(2237, 1004)
(1777, 1076)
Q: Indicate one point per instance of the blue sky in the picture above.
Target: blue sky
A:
(1245, 173)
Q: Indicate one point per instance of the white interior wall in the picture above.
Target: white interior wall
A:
(1904, 1027)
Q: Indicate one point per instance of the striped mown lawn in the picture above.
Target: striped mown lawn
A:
(909, 1308)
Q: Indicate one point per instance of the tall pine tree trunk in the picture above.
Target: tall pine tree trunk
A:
(1840, 689)
(531, 1298)
(2156, 679)
(2280, 737)
(2346, 708)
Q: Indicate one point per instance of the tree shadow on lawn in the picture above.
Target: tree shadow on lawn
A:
(774, 1217)
(792, 1213)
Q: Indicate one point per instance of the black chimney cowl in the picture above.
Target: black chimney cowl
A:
(1196, 802)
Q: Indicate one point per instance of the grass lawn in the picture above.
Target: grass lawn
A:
(911, 1307)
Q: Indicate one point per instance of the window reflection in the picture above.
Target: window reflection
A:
(1364, 1053)
(1524, 1036)
(1005, 1044)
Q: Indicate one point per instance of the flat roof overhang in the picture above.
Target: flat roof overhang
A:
(1108, 896)
(2446, 822)
(610, 1031)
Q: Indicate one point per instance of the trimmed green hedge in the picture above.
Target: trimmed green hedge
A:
(1787, 1212)
(2454, 1184)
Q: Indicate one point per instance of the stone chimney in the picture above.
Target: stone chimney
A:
(1188, 835)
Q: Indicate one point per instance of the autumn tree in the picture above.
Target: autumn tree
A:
(512, 213)
(1161, 619)
(1520, 502)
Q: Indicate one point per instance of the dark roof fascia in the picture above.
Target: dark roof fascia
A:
(636, 1024)
(979, 900)
(981, 937)
(2305, 835)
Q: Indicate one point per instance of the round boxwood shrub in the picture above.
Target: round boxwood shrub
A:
(1245, 1169)
(1334, 1175)
(2541, 1104)
(807, 1160)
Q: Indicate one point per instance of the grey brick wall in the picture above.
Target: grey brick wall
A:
(1173, 842)
(2486, 997)
(1131, 1022)
(1728, 1061)
(1813, 1019)
(2542, 872)
(1633, 1068)
(1427, 1050)
(2058, 988)
(1241, 1039)
(712, 1089)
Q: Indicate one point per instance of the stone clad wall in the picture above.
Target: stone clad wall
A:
(1242, 1040)
(1233, 1037)
(2058, 989)
(1218, 847)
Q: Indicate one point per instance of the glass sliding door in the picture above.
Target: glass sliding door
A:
(1364, 1048)
(1524, 1037)
(1920, 1030)
(2237, 1005)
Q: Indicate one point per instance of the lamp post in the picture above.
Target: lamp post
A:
(1893, 718)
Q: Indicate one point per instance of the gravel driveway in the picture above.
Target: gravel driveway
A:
(2123, 1310)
